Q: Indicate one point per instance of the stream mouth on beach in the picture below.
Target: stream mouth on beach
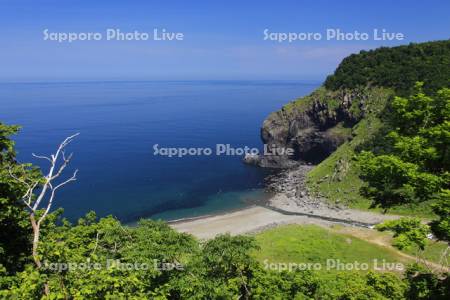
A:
(119, 122)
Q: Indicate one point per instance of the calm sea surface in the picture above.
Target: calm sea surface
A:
(120, 122)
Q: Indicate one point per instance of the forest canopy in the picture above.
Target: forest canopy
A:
(397, 67)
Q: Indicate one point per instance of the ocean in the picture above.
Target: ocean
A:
(120, 122)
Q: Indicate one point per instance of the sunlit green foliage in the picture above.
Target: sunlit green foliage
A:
(441, 227)
(408, 232)
(413, 166)
(397, 67)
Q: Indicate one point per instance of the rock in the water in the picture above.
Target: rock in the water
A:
(270, 161)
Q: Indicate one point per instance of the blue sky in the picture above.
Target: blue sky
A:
(222, 39)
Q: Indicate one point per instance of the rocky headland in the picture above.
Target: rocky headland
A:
(313, 127)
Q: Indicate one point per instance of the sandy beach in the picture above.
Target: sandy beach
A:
(290, 204)
(248, 220)
(257, 218)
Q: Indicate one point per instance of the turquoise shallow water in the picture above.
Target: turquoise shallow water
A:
(120, 122)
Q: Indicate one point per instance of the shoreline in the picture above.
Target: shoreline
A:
(264, 202)
(244, 221)
(290, 203)
(257, 218)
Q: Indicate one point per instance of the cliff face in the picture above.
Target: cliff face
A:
(316, 125)
(313, 126)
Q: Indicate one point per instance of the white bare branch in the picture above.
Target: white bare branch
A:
(64, 165)
(51, 176)
(73, 178)
(47, 189)
(52, 195)
(29, 194)
(42, 157)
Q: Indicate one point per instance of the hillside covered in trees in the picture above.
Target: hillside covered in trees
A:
(398, 68)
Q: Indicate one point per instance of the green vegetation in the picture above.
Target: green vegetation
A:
(408, 232)
(390, 128)
(338, 176)
(426, 285)
(14, 229)
(101, 259)
(433, 252)
(413, 164)
(397, 160)
(301, 104)
(398, 67)
(441, 227)
(313, 244)
(404, 167)
(410, 235)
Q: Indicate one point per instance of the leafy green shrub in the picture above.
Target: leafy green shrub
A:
(408, 232)
(414, 164)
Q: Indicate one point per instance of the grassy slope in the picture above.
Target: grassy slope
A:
(303, 103)
(314, 244)
(433, 252)
(399, 68)
(337, 177)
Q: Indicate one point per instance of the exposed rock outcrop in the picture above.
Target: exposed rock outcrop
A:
(271, 161)
(313, 126)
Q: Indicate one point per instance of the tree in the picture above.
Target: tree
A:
(424, 285)
(408, 232)
(392, 181)
(441, 227)
(397, 67)
(37, 209)
(422, 282)
(414, 164)
(14, 226)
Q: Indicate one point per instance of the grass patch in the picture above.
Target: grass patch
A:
(314, 244)
(433, 252)
(433, 249)
(303, 103)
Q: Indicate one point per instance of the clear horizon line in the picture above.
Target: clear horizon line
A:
(303, 81)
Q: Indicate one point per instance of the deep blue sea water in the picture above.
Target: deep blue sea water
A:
(119, 122)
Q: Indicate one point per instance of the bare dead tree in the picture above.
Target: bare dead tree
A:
(39, 205)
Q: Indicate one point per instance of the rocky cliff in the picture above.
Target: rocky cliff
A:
(313, 126)
(316, 125)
